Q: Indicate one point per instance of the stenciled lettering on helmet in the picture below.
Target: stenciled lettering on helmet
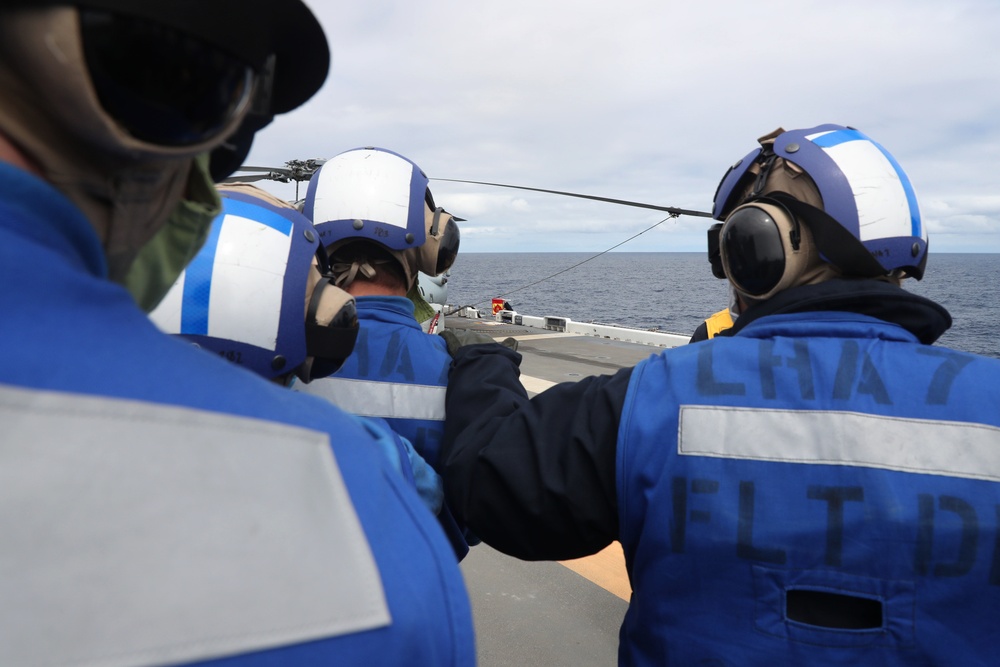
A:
(256, 294)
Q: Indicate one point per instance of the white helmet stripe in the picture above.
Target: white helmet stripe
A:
(379, 192)
(242, 258)
(869, 168)
(250, 263)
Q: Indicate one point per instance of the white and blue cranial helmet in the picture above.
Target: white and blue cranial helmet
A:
(376, 195)
(255, 293)
(853, 196)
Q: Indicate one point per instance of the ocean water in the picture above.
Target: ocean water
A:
(675, 292)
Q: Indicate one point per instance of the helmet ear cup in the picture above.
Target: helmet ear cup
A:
(763, 248)
(714, 252)
(331, 330)
(441, 247)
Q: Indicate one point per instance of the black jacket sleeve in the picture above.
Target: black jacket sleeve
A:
(533, 478)
(700, 334)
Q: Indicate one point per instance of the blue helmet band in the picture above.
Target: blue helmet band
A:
(369, 194)
(244, 296)
(840, 179)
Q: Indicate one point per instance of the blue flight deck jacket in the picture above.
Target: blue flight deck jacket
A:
(823, 487)
(398, 373)
(162, 505)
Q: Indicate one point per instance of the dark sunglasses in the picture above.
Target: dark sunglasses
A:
(162, 86)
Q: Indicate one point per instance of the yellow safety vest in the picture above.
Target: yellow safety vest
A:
(719, 322)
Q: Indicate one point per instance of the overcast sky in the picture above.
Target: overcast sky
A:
(651, 100)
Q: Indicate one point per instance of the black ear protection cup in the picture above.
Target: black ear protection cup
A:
(714, 253)
(761, 248)
(439, 251)
(328, 345)
(448, 240)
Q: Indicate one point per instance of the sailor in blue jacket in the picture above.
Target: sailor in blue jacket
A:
(241, 298)
(396, 371)
(159, 504)
(822, 487)
(379, 224)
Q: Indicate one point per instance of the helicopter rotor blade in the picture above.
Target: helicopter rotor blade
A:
(266, 170)
(251, 179)
(669, 209)
(294, 170)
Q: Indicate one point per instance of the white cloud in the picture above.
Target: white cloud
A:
(650, 100)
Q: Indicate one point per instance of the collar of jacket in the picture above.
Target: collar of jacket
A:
(922, 317)
(34, 209)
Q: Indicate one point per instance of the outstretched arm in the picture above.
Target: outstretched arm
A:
(534, 478)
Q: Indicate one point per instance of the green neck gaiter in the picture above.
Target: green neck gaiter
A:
(161, 261)
(422, 310)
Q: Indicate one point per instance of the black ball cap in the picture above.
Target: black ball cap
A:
(251, 30)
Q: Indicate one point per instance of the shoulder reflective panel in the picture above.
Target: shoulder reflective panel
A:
(145, 534)
(953, 449)
(390, 400)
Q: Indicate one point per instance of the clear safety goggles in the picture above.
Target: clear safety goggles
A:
(162, 86)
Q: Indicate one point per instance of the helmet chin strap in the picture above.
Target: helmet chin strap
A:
(838, 246)
(766, 162)
(347, 272)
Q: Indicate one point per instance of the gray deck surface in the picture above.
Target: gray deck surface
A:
(539, 613)
(558, 357)
(544, 613)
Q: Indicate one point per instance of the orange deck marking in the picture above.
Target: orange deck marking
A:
(606, 568)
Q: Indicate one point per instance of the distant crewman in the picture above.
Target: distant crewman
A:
(821, 487)
(160, 505)
(724, 319)
(713, 326)
(719, 323)
(377, 219)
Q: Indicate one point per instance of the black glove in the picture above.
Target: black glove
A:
(457, 338)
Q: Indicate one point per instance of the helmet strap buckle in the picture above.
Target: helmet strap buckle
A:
(766, 161)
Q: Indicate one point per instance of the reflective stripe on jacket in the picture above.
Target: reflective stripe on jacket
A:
(162, 505)
(814, 490)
